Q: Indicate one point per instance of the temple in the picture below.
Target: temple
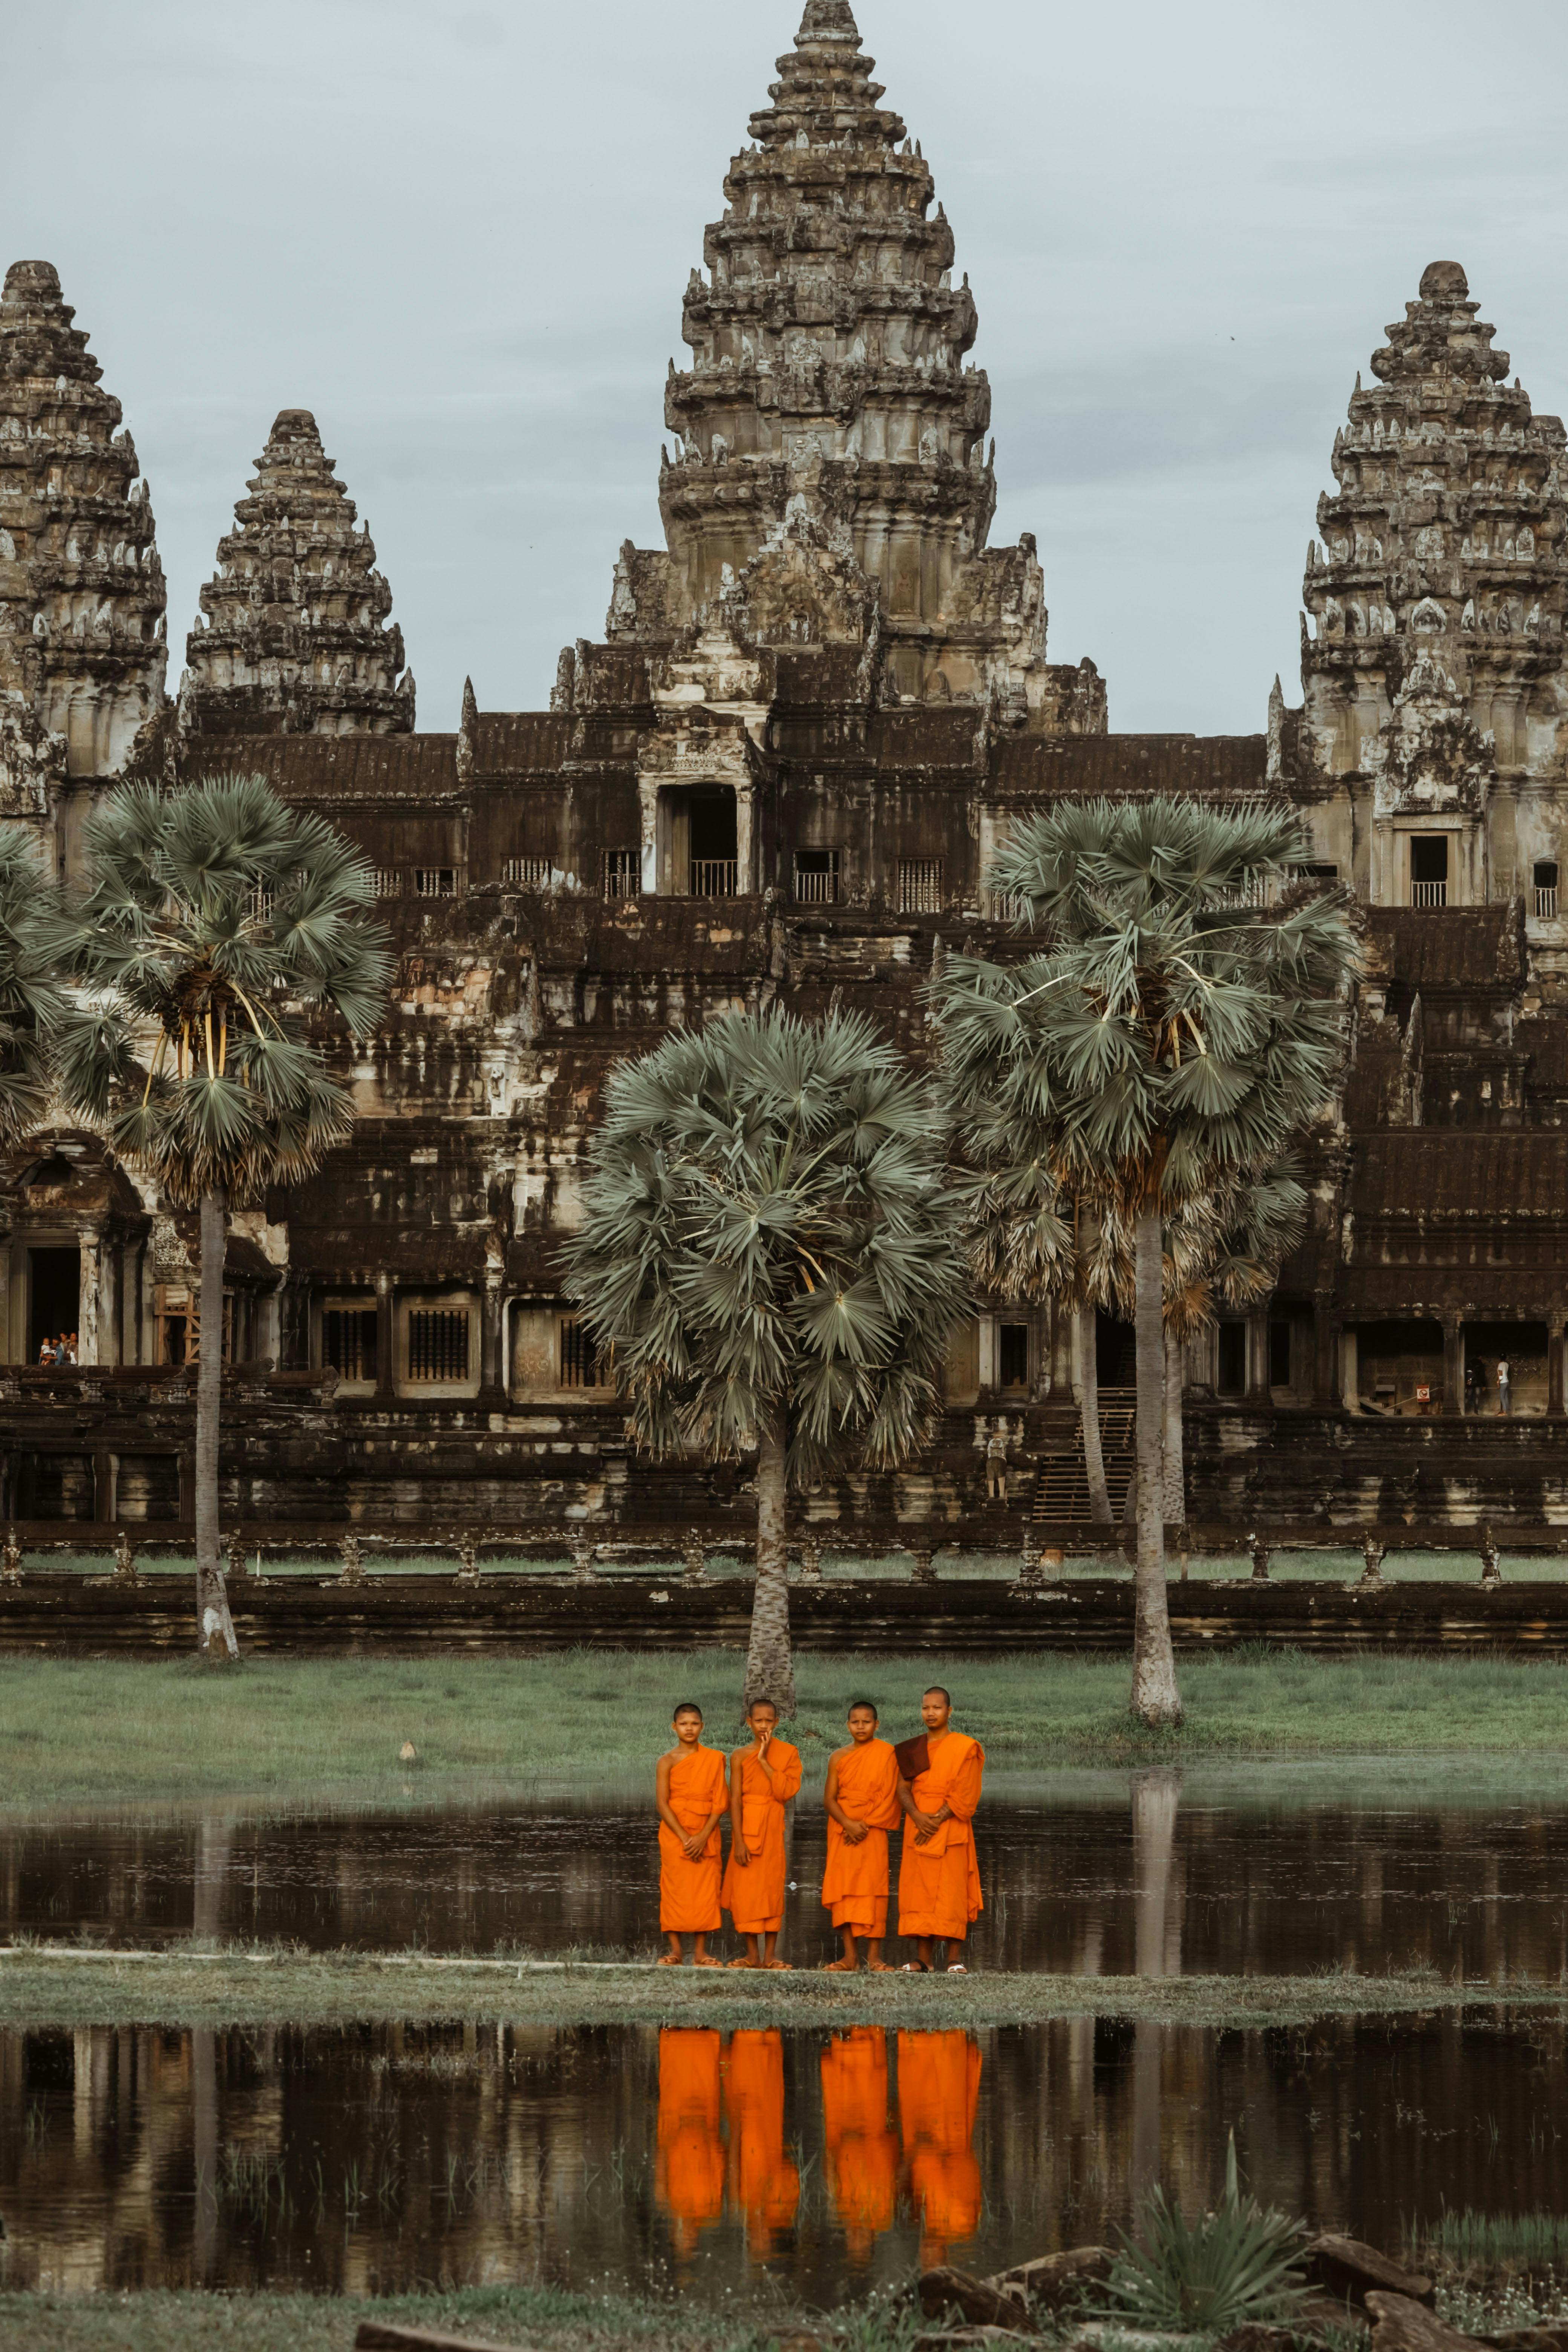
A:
(778, 777)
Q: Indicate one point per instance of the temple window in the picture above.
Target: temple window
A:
(439, 1344)
(435, 881)
(581, 1365)
(389, 881)
(1429, 869)
(1012, 1356)
(348, 1343)
(620, 873)
(521, 874)
(1546, 886)
(817, 877)
(919, 885)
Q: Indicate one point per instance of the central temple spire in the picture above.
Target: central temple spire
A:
(828, 346)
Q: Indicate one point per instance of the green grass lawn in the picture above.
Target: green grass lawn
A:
(1341, 1565)
(542, 2318)
(234, 1985)
(96, 1734)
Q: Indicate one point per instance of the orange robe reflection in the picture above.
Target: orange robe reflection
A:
(862, 2150)
(753, 1893)
(690, 2178)
(854, 1881)
(939, 2092)
(939, 1882)
(763, 2181)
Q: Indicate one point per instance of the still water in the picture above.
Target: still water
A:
(1136, 1876)
(376, 2157)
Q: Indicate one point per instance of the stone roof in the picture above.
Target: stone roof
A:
(1131, 764)
(293, 636)
(422, 767)
(1433, 948)
(1429, 1173)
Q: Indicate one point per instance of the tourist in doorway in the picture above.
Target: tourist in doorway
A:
(1472, 1388)
(1504, 1385)
(47, 1354)
(67, 1348)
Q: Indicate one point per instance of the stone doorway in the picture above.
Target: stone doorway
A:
(54, 1296)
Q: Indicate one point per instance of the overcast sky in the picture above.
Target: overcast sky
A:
(459, 230)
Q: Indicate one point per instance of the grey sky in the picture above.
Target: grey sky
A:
(460, 233)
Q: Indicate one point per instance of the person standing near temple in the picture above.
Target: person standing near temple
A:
(1504, 1385)
(939, 1777)
(762, 1779)
(862, 1799)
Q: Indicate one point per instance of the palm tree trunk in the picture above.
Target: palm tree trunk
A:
(215, 1626)
(1155, 1698)
(770, 1669)
(1088, 1337)
(1175, 1456)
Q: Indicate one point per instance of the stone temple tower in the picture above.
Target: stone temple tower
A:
(82, 645)
(293, 637)
(1432, 656)
(827, 387)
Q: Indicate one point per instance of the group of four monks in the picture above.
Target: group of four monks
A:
(930, 1784)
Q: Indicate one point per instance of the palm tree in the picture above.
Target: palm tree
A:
(1168, 1037)
(770, 1249)
(210, 914)
(33, 1006)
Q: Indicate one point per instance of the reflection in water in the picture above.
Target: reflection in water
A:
(1136, 1882)
(764, 2182)
(860, 2146)
(939, 2093)
(690, 2144)
(372, 2158)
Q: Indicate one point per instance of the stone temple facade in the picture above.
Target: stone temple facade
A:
(778, 777)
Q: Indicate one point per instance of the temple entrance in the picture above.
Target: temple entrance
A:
(1115, 1352)
(54, 1296)
(698, 842)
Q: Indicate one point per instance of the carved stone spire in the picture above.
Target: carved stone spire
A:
(293, 638)
(81, 589)
(1447, 536)
(827, 345)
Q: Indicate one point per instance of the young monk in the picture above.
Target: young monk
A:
(938, 1789)
(762, 1779)
(691, 1795)
(862, 1801)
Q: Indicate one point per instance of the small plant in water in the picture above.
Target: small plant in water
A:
(1180, 2277)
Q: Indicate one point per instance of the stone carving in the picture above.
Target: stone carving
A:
(293, 637)
(82, 637)
(1444, 474)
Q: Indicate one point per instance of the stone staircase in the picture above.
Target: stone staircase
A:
(1061, 1486)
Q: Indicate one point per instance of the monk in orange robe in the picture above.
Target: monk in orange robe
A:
(764, 2182)
(862, 2152)
(862, 1801)
(689, 2182)
(938, 1789)
(691, 1792)
(762, 1779)
(939, 2093)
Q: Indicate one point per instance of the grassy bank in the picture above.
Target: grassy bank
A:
(112, 1732)
(268, 1985)
(542, 2318)
(1336, 1565)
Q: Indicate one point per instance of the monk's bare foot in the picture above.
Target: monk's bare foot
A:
(879, 1969)
(786, 1964)
(834, 1968)
(670, 1960)
(745, 1964)
(707, 1961)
